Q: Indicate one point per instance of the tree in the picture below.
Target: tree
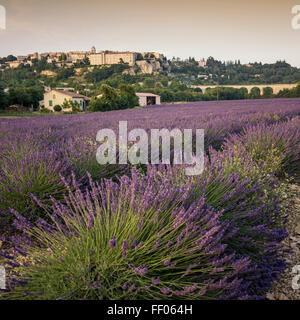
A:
(36, 95)
(139, 56)
(27, 97)
(57, 108)
(296, 91)
(63, 57)
(127, 89)
(243, 93)
(65, 73)
(103, 73)
(69, 104)
(164, 81)
(167, 96)
(255, 93)
(97, 104)
(108, 100)
(112, 99)
(109, 94)
(19, 96)
(127, 97)
(3, 99)
(86, 61)
(285, 93)
(11, 58)
(66, 104)
(149, 83)
(75, 106)
(176, 85)
(267, 92)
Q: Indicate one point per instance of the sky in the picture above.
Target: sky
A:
(255, 30)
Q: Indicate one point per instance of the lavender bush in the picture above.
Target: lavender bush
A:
(276, 147)
(250, 203)
(24, 172)
(80, 154)
(131, 240)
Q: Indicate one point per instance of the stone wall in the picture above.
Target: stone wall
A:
(276, 87)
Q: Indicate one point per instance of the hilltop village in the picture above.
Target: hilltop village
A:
(145, 62)
(103, 80)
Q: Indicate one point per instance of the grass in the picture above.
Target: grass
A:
(24, 115)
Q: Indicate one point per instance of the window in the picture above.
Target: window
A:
(50, 103)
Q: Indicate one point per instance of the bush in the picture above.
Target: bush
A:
(75, 108)
(132, 240)
(251, 211)
(80, 153)
(124, 98)
(57, 108)
(27, 172)
(99, 104)
(275, 146)
(45, 110)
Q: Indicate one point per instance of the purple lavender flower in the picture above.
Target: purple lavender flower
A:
(155, 281)
(141, 270)
(112, 243)
(167, 262)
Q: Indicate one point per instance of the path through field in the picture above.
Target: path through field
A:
(283, 288)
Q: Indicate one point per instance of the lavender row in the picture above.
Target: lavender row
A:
(152, 234)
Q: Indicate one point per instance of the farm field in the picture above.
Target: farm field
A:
(74, 229)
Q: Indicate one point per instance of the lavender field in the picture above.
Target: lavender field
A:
(72, 229)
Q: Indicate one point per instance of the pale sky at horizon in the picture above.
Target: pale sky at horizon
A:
(225, 29)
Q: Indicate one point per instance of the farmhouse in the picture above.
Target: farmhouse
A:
(58, 97)
(148, 99)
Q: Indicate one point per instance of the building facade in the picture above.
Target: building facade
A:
(59, 97)
(148, 99)
(102, 58)
(202, 63)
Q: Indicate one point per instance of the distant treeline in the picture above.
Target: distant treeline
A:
(235, 73)
(124, 97)
(220, 93)
(24, 96)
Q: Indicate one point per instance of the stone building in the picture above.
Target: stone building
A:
(102, 58)
(76, 56)
(148, 99)
(202, 63)
(48, 73)
(93, 51)
(13, 64)
(21, 58)
(58, 97)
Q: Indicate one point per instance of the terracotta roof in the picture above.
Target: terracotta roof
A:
(72, 94)
(145, 94)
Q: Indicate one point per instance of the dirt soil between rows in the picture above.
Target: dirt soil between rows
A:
(288, 285)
